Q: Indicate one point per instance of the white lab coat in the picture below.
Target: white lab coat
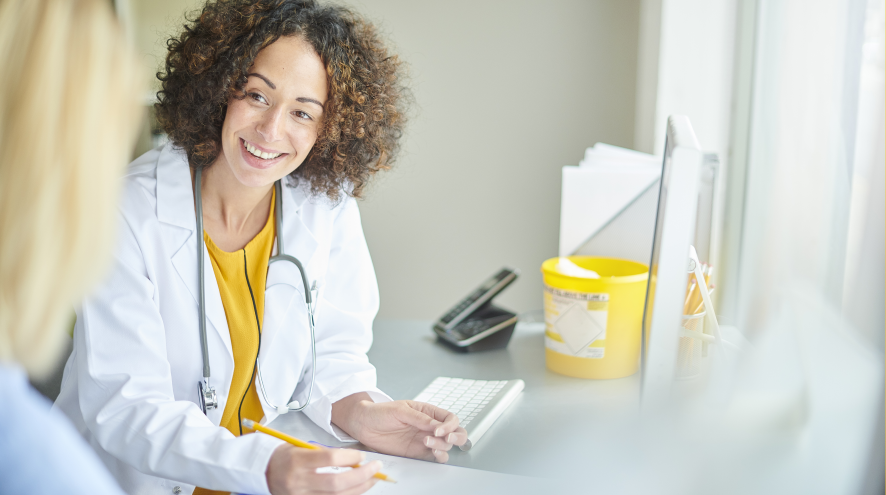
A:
(130, 385)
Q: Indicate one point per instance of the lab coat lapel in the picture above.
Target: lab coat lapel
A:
(175, 206)
(284, 284)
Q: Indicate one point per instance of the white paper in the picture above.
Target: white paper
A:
(592, 197)
(567, 267)
(416, 477)
(607, 155)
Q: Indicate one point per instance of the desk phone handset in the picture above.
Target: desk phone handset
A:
(475, 324)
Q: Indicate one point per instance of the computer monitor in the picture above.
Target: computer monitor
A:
(668, 268)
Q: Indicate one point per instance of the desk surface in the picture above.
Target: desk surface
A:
(550, 429)
(586, 433)
(555, 414)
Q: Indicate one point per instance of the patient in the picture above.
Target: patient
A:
(68, 113)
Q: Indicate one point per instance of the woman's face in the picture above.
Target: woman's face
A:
(269, 133)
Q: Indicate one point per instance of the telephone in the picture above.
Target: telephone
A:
(475, 324)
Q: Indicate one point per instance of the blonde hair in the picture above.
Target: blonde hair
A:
(69, 107)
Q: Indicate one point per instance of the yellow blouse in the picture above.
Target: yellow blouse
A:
(241, 278)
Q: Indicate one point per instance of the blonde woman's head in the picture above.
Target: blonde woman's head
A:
(68, 113)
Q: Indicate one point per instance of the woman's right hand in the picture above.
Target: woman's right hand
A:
(292, 471)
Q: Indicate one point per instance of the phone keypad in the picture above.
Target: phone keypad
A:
(475, 296)
(469, 328)
(463, 306)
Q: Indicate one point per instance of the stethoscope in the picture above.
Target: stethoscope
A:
(206, 392)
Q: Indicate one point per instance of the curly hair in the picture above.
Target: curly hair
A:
(365, 112)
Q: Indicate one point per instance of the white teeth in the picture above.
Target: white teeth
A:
(255, 152)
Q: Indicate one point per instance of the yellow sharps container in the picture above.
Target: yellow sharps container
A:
(592, 325)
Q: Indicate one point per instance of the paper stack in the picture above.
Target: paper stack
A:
(608, 204)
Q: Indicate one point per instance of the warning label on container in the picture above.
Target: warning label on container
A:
(576, 322)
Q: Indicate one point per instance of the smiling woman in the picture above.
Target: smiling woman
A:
(279, 111)
(209, 71)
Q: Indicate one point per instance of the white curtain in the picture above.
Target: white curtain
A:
(810, 288)
(802, 155)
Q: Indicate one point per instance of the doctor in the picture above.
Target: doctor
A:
(253, 93)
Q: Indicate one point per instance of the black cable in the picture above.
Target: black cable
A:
(258, 351)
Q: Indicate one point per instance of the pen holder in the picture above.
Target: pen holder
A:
(690, 349)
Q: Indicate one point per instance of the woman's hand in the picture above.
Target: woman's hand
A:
(292, 471)
(405, 428)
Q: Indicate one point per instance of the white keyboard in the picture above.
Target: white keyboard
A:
(477, 403)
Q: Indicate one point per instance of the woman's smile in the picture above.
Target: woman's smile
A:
(258, 157)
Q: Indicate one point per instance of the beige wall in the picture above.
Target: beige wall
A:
(151, 23)
(507, 93)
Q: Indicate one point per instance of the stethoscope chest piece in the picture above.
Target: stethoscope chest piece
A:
(208, 399)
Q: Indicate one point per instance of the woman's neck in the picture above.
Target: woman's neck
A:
(233, 214)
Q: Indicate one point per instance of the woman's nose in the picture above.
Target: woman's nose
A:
(271, 126)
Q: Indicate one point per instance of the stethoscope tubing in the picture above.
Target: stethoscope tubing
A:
(281, 256)
(198, 179)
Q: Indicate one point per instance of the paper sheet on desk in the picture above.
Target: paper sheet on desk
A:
(430, 478)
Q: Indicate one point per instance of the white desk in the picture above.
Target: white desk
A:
(582, 436)
(549, 431)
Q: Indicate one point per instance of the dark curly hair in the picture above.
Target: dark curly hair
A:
(363, 116)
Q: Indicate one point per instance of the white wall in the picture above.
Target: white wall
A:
(695, 69)
(685, 66)
(687, 56)
(647, 75)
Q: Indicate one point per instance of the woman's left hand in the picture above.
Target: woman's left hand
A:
(405, 428)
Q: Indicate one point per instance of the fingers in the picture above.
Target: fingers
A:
(457, 437)
(441, 456)
(446, 422)
(418, 418)
(436, 443)
(293, 470)
(431, 410)
(356, 480)
(333, 457)
(450, 425)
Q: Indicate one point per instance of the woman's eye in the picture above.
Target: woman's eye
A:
(301, 115)
(257, 97)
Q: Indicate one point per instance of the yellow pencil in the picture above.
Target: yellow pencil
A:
(701, 304)
(248, 423)
(689, 296)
